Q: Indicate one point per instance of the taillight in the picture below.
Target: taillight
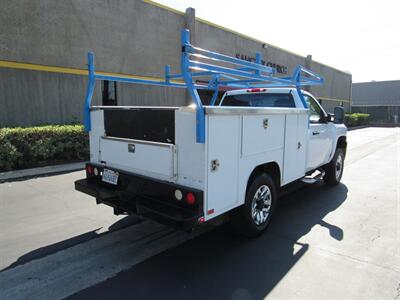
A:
(190, 198)
(257, 90)
(89, 169)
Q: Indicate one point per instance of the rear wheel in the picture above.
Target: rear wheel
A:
(252, 218)
(334, 170)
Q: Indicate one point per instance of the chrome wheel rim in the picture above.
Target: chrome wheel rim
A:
(261, 205)
(339, 166)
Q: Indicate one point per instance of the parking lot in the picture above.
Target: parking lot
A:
(340, 242)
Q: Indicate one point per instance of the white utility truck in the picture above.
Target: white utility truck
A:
(184, 166)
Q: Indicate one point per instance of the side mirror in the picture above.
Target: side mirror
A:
(339, 115)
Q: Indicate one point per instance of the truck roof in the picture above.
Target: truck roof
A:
(260, 90)
(267, 90)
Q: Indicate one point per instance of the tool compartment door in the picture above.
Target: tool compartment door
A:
(222, 159)
(140, 157)
(295, 147)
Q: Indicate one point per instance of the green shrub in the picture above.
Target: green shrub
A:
(356, 119)
(42, 145)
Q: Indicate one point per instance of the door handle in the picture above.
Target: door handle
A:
(315, 132)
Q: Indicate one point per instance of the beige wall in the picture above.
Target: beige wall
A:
(127, 36)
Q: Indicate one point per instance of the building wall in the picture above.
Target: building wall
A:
(376, 93)
(32, 97)
(380, 99)
(128, 37)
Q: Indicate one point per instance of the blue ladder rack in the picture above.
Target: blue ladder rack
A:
(240, 74)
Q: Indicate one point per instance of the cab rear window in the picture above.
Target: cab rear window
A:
(259, 100)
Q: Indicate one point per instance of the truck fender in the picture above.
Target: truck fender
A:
(339, 142)
(272, 168)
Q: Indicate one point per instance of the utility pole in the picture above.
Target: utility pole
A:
(308, 61)
(190, 23)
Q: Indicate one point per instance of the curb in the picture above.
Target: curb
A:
(388, 125)
(358, 127)
(381, 125)
(42, 171)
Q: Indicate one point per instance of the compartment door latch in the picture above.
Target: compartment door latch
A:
(265, 123)
(214, 165)
(131, 148)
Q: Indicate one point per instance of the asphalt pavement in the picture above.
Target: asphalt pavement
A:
(337, 243)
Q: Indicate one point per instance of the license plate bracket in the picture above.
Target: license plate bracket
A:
(110, 176)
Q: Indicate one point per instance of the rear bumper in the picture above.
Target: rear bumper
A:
(145, 197)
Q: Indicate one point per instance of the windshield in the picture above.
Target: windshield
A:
(259, 100)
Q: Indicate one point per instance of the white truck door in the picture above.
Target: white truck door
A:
(319, 141)
(222, 163)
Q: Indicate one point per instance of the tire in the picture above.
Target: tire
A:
(252, 218)
(334, 170)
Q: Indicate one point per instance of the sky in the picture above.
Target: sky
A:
(360, 37)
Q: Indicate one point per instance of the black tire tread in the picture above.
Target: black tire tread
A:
(241, 219)
(330, 169)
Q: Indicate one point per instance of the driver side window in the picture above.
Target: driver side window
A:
(315, 110)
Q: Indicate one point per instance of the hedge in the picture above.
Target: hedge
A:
(356, 119)
(42, 145)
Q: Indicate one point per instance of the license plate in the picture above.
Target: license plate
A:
(110, 176)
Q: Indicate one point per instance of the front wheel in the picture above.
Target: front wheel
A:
(252, 218)
(334, 170)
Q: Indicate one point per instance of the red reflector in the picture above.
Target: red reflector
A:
(201, 220)
(89, 169)
(190, 198)
(256, 90)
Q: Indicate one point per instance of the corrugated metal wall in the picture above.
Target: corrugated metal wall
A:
(376, 93)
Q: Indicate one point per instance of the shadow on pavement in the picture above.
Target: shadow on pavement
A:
(221, 265)
(53, 248)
